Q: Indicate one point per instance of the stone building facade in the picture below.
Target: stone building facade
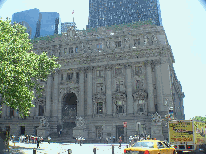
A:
(108, 76)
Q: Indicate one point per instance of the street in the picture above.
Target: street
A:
(57, 148)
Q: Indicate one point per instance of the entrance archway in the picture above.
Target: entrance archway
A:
(69, 113)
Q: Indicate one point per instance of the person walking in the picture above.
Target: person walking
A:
(120, 141)
(107, 140)
(38, 141)
(110, 139)
(49, 138)
(113, 139)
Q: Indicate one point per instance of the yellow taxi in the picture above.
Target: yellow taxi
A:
(150, 147)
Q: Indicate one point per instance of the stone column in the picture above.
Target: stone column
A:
(129, 89)
(158, 76)
(150, 102)
(89, 91)
(109, 90)
(4, 110)
(55, 94)
(48, 95)
(80, 105)
(7, 111)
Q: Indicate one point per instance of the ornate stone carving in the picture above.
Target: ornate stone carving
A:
(99, 97)
(140, 95)
(128, 65)
(119, 96)
(108, 67)
(44, 122)
(80, 122)
(156, 118)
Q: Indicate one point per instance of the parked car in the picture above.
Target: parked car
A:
(150, 147)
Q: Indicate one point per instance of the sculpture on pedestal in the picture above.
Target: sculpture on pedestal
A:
(44, 122)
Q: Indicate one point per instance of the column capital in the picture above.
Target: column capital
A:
(148, 62)
(56, 71)
(81, 69)
(108, 67)
(128, 65)
(89, 68)
(156, 62)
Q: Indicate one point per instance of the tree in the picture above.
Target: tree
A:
(199, 118)
(21, 68)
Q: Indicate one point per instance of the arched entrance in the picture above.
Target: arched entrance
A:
(69, 113)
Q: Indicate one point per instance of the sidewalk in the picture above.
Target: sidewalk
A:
(61, 148)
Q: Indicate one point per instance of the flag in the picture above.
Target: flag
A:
(73, 12)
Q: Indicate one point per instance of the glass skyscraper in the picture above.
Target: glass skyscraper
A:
(114, 12)
(38, 23)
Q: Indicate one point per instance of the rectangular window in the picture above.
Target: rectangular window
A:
(65, 50)
(77, 77)
(98, 132)
(138, 70)
(100, 73)
(99, 46)
(69, 76)
(99, 87)
(137, 84)
(76, 50)
(136, 42)
(118, 44)
(71, 50)
(119, 107)
(118, 71)
(99, 108)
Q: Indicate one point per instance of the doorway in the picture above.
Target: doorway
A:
(119, 132)
(69, 108)
(22, 129)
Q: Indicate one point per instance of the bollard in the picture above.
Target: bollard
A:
(112, 149)
(69, 151)
(94, 150)
(34, 151)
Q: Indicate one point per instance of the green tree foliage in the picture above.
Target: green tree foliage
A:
(199, 118)
(21, 68)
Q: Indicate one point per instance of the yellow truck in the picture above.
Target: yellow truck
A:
(187, 136)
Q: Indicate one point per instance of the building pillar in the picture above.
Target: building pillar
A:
(89, 91)
(129, 89)
(56, 94)
(109, 90)
(80, 105)
(48, 95)
(4, 114)
(150, 102)
(7, 111)
(158, 76)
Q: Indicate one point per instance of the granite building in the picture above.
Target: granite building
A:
(38, 24)
(115, 12)
(108, 76)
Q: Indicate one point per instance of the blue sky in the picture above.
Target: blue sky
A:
(184, 23)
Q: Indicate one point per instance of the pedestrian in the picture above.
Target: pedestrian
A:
(107, 140)
(100, 139)
(49, 138)
(110, 139)
(38, 141)
(113, 139)
(130, 141)
(80, 141)
(60, 132)
(76, 140)
(120, 141)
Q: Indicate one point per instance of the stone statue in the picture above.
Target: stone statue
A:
(44, 122)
